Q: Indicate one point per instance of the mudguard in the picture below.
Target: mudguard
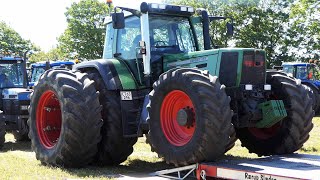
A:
(114, 73)
(308, 83)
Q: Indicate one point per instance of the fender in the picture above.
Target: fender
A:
(114, 73)
(310, 84)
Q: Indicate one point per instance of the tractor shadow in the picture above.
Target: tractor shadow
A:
(132, 169)
(17, 146)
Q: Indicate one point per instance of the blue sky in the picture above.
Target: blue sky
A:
(42, 21)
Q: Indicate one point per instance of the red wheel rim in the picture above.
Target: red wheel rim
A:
(48, 119)
(176, 134)
(265, 133)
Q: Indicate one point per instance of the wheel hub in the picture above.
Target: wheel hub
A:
(185, 117)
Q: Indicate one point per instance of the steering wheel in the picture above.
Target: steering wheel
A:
(160, 43)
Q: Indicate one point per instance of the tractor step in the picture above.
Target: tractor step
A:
(131, 109)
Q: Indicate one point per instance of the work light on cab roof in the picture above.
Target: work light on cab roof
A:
(166, 8)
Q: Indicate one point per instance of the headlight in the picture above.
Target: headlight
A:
(24, 107)
(248, 87)
(267, 87)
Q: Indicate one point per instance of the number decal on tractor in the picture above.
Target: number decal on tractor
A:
(126, 95)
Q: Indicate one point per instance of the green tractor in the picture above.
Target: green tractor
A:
(161, 77)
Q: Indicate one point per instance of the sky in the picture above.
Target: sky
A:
(42, 21)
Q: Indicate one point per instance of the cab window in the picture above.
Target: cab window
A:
(128, 38)
(107, 52)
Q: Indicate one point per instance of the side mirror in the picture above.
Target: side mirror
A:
(118, 20)
(229, 29)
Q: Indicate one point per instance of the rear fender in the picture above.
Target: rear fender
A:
(114, 73)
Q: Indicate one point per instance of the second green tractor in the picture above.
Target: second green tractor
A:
(161, 76)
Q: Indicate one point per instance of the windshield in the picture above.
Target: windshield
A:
(302, 72)
(11, 75)
(171, 34)
(289, 70)
(36, 73)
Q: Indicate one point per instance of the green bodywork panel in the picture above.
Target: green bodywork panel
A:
(205, 60)
(126, 77)
(273, 111)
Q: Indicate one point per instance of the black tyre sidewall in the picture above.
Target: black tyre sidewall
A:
(176, 85)
(80, 119)
(316, 94)
(53, 152)
(213, 128)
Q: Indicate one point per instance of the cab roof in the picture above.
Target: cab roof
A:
(52, 63)
(5, 58)
(295, 64)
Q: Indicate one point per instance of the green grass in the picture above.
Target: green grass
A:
(17, 161)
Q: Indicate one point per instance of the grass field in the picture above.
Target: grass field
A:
(17, 161)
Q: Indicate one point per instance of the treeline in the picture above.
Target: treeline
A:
(288, 30)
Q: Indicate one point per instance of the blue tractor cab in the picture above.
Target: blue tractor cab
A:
(37, 69)
(308, 73)
(15, 98)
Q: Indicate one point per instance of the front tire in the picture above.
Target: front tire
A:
(190, 117)
(65, 119)
(316, 97)
(288, 135)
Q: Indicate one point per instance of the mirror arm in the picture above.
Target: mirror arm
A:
(133, 11)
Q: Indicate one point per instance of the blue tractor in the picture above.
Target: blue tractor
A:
(308, 73)
(37, 69)
(15, 98)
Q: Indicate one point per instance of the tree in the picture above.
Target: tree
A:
(305, 29)
(53, 55)
(85, 32)
(258, 23)
(12, 42)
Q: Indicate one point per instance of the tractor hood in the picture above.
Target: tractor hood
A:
(233, 66)
(178, 60)
(16, 93)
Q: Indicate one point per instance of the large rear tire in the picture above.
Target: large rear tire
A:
(113, 148)
(316, 97)
(2, 133)
(292, 132)
(65, 119)
(190, 117)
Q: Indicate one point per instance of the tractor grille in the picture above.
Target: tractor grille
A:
(228, 68)
(12, 107)
(253, 68)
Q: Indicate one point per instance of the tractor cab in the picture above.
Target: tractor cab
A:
(303, 71)
(37, 69)
(147, 35)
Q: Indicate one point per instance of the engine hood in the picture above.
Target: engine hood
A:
(16, 93)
